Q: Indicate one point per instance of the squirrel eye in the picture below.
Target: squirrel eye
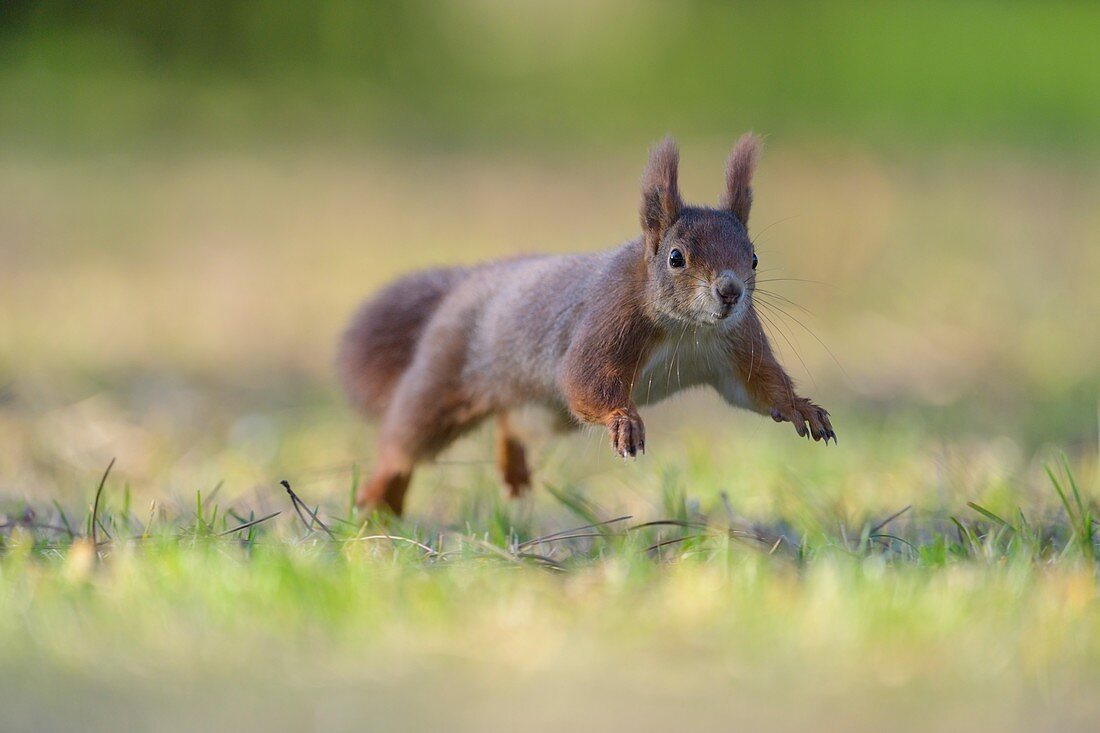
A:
(676, 259)
(755, 261)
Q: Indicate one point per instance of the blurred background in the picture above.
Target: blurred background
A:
(194, 197)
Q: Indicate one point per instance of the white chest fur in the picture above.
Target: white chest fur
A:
(688, 358)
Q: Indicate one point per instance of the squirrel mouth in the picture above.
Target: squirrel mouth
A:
(727, 312)
(734, 311)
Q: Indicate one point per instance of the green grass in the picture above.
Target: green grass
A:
(285, 607)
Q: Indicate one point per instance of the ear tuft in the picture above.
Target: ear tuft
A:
(739, 170)
(660, 192)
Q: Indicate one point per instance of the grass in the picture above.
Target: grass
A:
(509, 534)
(283, 607)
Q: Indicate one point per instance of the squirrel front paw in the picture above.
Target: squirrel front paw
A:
(809, 419)
(627, 433)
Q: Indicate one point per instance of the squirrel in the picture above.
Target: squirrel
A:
(591, 336)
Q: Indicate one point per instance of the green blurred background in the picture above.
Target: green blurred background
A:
(534, 73)
(194, 196)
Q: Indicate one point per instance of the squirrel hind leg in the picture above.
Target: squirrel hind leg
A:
(405, 442)
(512, 459)
(385, 489)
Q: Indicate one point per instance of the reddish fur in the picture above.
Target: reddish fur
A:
(512, 459)
(602, 363)
(739, 170)
(437, 352)
(661, 202)
(379, 343)
(769, 387)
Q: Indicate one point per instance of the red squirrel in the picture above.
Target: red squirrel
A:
(591, 336)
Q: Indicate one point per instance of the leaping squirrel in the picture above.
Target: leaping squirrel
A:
(591, 336)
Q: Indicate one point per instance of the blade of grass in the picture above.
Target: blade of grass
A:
(95, 503)
(573, 530)
(1073, 486)
(299, 503)
(878, 527)
(990, 515)
(248, 524)
(64, 520)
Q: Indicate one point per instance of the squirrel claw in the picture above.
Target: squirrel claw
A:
(627, 435)
(809, 420)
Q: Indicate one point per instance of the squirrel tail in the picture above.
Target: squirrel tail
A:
(381, 339)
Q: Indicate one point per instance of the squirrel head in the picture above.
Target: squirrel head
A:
(699, 260)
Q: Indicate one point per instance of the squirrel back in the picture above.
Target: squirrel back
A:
(381, 338)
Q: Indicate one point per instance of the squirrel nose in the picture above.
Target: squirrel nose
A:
(728, 289)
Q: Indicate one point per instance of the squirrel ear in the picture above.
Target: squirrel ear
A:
(660, 193)
(739, 170)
